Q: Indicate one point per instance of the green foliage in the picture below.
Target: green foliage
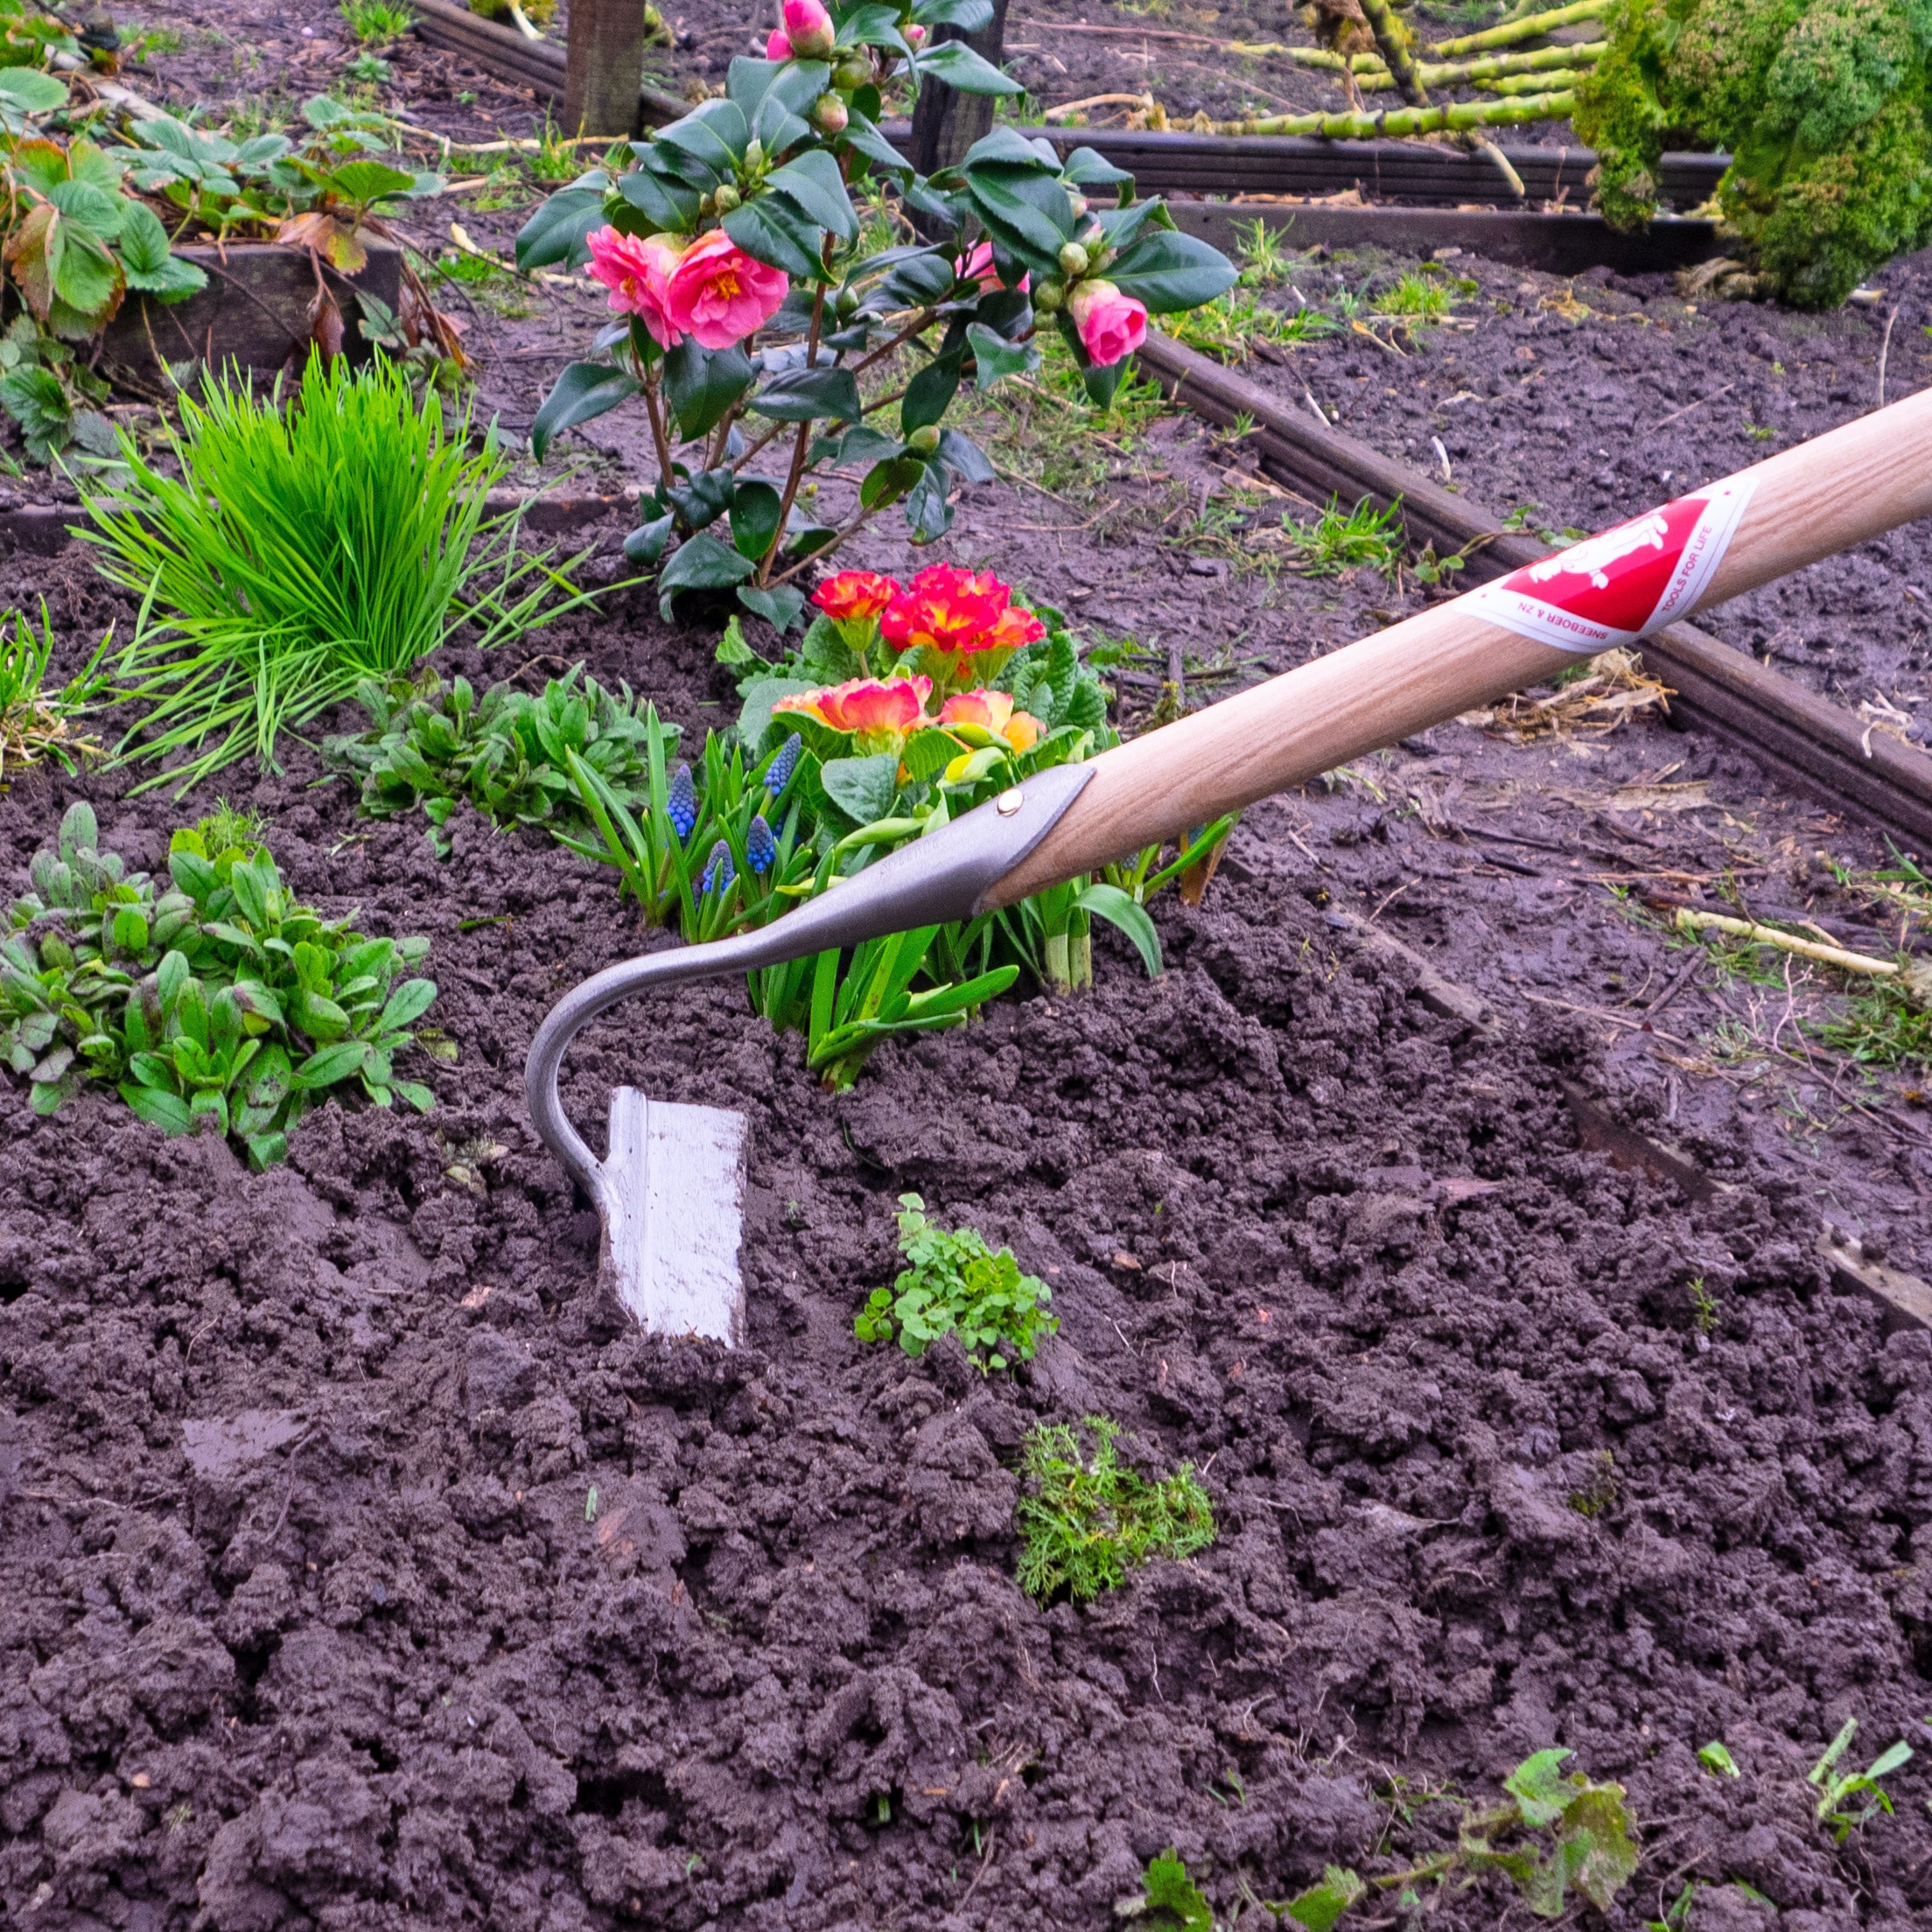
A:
(1846, 1800)
(434, 746)
(1087, 1520)
(1716, 1759)
(1417, 297)
(36, 722)
(1823, 104)
(296, 558)
(53, 395)
(1886, 1023)
(1169, 1900)
(1365, 537)
(1598, 1494)
(217, 998)
(1554, 1834)
(957, 1286)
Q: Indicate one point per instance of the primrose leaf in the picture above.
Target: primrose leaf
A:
(865, 789)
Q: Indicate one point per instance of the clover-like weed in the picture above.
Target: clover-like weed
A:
(1087, 1519)
(957, 1286)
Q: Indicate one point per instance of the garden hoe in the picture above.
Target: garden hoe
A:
(668, 1189)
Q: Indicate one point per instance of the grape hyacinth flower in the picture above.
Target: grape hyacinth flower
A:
(778, 774)
(680, 807)
(761, 848)
(718, 872)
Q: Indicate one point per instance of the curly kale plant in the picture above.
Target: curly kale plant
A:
(957, 1286)
(217, 999)
(1823, 104)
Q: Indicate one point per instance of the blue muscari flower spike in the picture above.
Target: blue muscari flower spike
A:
(779, 775)
(680, 807)
(718, 871)
(761, 848)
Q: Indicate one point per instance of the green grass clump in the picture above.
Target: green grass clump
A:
(1887, 1024)
(1417, 298)
(1087, 1520)
(37, 722)
(297, 556)
(1336, 541)
(957, 1286)
(374, 22)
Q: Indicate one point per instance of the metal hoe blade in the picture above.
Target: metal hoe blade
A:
(669, 1190)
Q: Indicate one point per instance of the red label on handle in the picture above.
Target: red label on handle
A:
(1616, 587)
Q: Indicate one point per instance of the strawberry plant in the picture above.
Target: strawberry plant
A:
(1086, 1519)
(218, 999)
(957, 1286)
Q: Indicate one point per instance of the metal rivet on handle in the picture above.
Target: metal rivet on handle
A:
(1009, 802)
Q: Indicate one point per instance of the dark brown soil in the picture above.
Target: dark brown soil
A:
(1589, 401)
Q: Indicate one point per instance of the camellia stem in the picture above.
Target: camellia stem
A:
(653, 410)
(797, 474)
(1408, 121)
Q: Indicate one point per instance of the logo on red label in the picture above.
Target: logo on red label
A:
(1623, 585)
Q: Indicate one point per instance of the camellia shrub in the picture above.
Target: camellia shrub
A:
(1824, 105)
(750, 316)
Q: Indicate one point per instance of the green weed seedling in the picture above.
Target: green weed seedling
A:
(1553, 1834)
(1600, 1493)
(1716, 1759)
(1849, 1799)
(1087, 1520)
(1888, 1024)
(35, 722)
(957, 1286)
(1168, 1900)
(219, 998)
(1416, 298)
(1676, 1917)
(1336, 541)
(374, 23)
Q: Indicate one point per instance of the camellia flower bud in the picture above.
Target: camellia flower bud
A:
(808, 27)
(845, 302)
(925, 441)
(754, 155)
(1049, 295)
(1079, 203)
(852, 73)
(914, 36)
(1073, 260)
(725, 200)
(831, 114)
(1093, 236)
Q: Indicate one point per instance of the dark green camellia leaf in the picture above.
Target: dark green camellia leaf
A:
(662, 199)
(919, 281)
(955, 63)
(1124, 227)
(1008, 147)
(701, 384)
(812, 184)
(644, 545)
(994, 357)
(888, 481)
(700, 564)
(703, 156)
(862, 135)
(770, 231)
(794, 84)
(872, 26)
(1027, 215)
(930, 392)
(705, 498)
(782, 608)
(584, 390)
(800, 395)
(968, 15)
(1085, 168)
(863, 444)
(1170, 271)
(928, 513)
(964, 458)
(754, 519)
(556, 233)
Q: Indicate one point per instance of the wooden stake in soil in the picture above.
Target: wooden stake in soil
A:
(603, 69)
(945, 122)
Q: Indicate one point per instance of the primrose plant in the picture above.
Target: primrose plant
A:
(752, 316)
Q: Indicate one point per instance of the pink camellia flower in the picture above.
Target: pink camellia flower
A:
(1111, 325)
(878, 714)
(719, 295)
(992, 712)
(777, 47)
(808, 27)
(978, 267)
(635, 268)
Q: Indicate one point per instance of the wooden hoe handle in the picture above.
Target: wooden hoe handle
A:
(1808, 503)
